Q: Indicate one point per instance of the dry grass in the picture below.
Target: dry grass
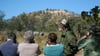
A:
(3, 36)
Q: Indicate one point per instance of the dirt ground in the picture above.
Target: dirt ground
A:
(80, 53)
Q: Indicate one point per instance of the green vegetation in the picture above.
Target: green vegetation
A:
(88, 18)
(48, 21)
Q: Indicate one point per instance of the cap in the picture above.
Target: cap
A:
(64, 21)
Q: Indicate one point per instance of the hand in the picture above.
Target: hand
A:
(85, 36)
(59, 29)
(88, 34)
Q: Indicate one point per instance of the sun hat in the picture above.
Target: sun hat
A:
(63, 21)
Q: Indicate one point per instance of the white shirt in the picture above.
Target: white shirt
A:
(28, 49)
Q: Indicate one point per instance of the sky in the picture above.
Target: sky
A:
(16, 7)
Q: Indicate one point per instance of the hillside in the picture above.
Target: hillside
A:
(53, 14)
(49, 20)
(43, 20)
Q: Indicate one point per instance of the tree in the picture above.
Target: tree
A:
(2, 23)
(1, 15)
(84, 14)
(95, 13)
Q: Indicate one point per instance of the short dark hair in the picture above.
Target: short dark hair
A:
(12, 36)
(67, 26)
(95, 30)
(52, 37)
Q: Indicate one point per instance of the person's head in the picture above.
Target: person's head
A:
(65, 24)
(29, 36)
(52, 38)
(12, 36)
(95, 30)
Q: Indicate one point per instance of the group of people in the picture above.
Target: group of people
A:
(29, 47)
(90, 42)
(12, 48)
(68, 45)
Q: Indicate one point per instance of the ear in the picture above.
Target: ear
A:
(48, 42)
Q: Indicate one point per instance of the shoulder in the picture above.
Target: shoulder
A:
(84, 42)
(3, 44)
(56, 46)
(60, 45)
(21, 45)
(28, 44)
(35, 45)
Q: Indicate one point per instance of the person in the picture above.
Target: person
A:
(90, 43)
(28, 47)
(9, 48)
(52, 48)
(68, 39)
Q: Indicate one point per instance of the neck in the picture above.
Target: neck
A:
(52, 44)
(29, 41)
(65, 29)
(8, 39)
(26, 41)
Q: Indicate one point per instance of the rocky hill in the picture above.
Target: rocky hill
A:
(47, 19)
(53, 15)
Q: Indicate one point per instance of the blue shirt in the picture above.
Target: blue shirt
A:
(54, 50)
(8, 48)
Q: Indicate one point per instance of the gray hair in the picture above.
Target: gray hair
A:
(28, 34)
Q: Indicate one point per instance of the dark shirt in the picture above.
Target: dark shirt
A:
(69, 42)
(91, 46)
(8, 48)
